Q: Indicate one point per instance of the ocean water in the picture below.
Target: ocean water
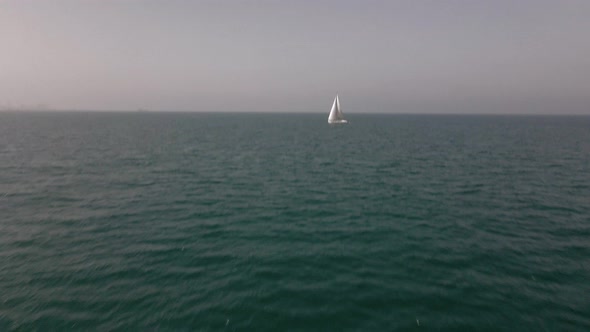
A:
(280, 222)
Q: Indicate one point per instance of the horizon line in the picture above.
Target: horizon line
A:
(144, 111)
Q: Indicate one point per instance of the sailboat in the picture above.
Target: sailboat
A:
(336, 112)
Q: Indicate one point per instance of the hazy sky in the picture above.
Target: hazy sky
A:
(438, 56)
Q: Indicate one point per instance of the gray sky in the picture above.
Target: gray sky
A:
(495, 56)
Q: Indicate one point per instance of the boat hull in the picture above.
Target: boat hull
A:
(337, 121)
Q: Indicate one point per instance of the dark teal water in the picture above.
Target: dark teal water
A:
(268, 222)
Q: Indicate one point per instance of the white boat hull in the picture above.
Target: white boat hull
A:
(337, 121)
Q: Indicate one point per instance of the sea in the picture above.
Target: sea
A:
(169, 221)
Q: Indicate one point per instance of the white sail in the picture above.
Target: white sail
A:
(336, 115)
